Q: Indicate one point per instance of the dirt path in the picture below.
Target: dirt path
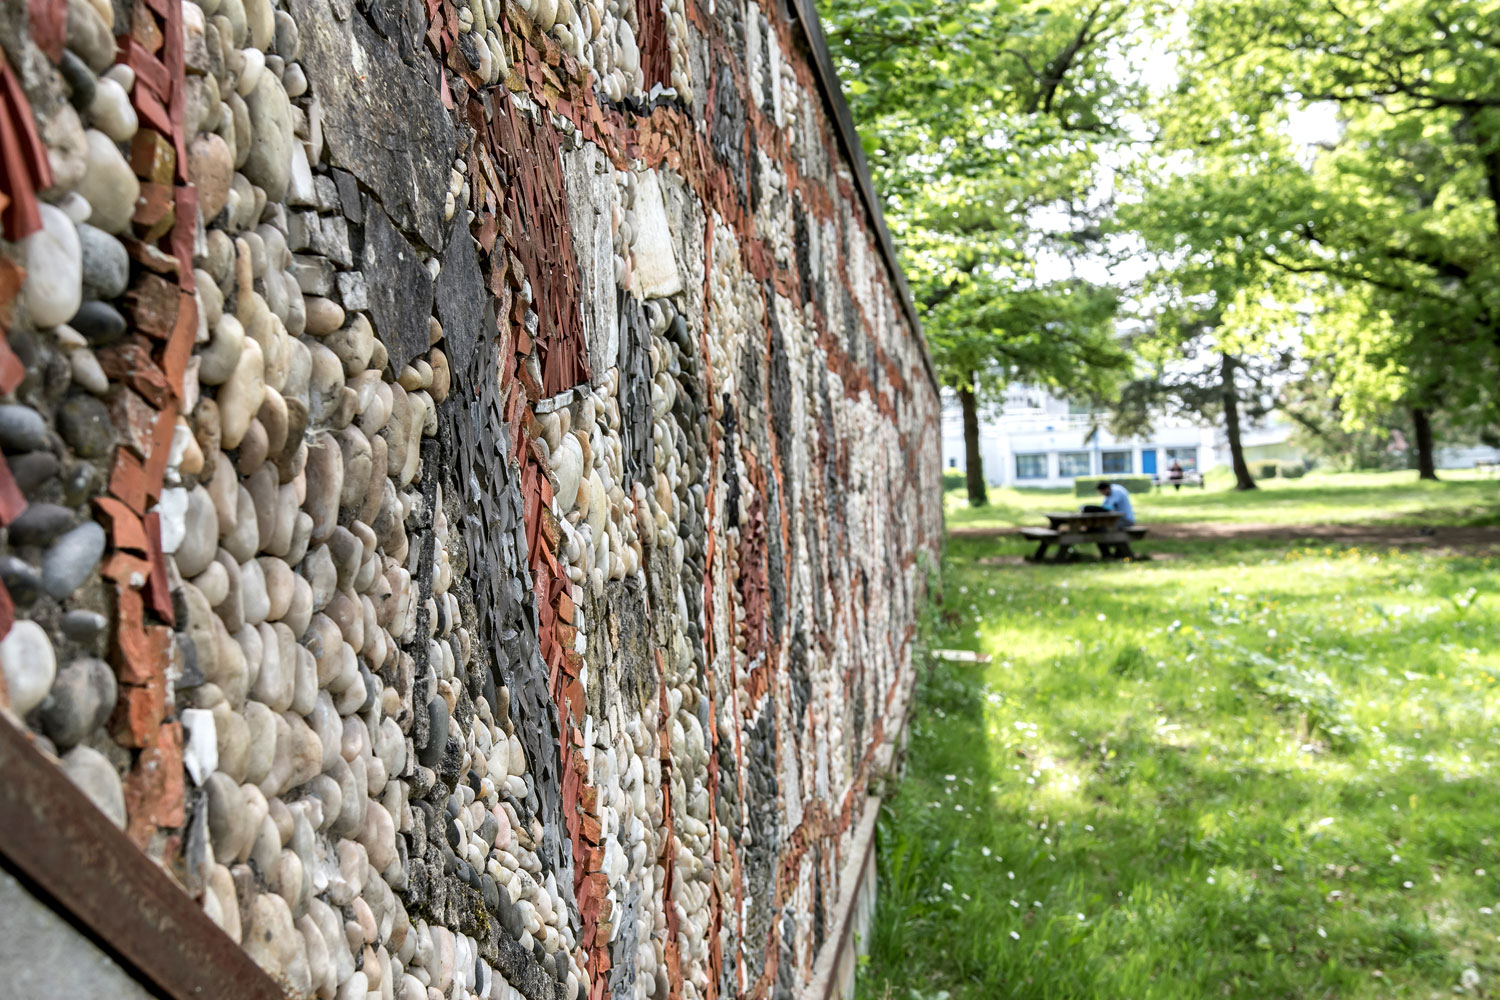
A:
(1468, 539)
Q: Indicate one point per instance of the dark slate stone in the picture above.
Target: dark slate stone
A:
(400, 288)
(401, 21)
(460, 294)
(72, 558)
(437, 736)
(349, 199)
(191, 674)
(22, 428)
(84, 627)
(33, 470)
(635, 390)
(40, 523)
(730, 127)
(99, 322)
(20, 578)
(85, 424)
(81, 699)
(382, 118)
(491, 893)
(80, 80)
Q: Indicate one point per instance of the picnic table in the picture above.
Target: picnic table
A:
(1073, 528)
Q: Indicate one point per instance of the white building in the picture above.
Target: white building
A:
(1038, 440)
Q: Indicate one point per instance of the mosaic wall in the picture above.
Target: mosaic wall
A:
(467, 475)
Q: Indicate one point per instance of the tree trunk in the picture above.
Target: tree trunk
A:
(973, 464)
(1242, 478)
(1421, 424)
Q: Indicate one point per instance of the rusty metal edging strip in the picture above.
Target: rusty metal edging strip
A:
(824, 983)
(55, 837)
(833, 95)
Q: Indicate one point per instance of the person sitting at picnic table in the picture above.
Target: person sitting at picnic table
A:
(1175, 474)
(1114, 497)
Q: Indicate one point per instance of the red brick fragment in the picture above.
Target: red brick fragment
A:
(49, 24)
(11, 277)
(155, 211)
(154, 790)
(158, 594)
(153, 303)
(127, 480)
(144, 29)
(126, 570)
(139, 712)
(183, 232)
(141, 649)
(24, 166)
(12, 503)
(179, 349)
(129, 361)
(135, 421)
(152, 157)
(149, 70)
(125, 529)
(12, 371)
(150, 257)
(7, 613)
(161, 448)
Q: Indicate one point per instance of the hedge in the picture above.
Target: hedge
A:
(1086, 486)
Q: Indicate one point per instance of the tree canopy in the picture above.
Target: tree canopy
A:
(983, 123)
(1313, 187)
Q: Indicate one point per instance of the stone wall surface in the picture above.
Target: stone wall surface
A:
(467, 470)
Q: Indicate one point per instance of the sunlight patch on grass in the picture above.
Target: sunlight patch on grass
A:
(1250, 771)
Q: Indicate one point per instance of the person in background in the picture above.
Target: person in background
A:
(1175, 474)
(1113, 496)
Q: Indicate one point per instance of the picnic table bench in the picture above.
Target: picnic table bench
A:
(1072, 528)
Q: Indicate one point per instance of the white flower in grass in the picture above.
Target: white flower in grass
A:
(1469, 979)
(1014, 936)
(1101, 616)
(947, 887)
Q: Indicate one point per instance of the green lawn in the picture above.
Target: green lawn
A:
(1239, 770)
(1395, 497)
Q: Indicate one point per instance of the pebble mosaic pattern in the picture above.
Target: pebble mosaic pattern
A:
(466, 479)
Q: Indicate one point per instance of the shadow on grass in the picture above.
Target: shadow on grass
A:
(1094, 892)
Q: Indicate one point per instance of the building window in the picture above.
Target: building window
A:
(1116, 463)
(1031, 466)
(1073, 463)
(1185, 457)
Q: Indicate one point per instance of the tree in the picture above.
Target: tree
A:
(1395, 226)
(1187, 367)
(984, 124)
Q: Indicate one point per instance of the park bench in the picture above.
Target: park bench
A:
(1162, 480)
(1082, 529)
(1487, 466)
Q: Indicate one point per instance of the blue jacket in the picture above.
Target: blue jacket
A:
(1119, 499)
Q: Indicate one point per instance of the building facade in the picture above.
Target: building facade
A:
(1038, 440)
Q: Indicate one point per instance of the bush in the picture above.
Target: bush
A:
(1266, 470)
(1293, 470)
(1087, 486)
(953, 480)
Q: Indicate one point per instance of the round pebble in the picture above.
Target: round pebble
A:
(72, 558)
(29, 665)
